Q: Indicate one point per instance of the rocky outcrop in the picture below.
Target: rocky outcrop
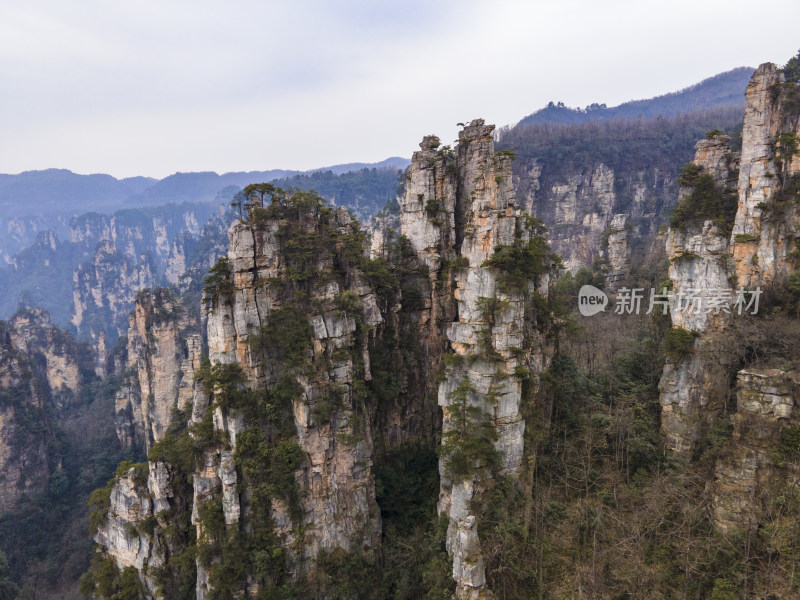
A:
(693, 387)
(766, 220)
(32, 333)
(383, 230)
(24, 452)
(320, 358)
(755, 470)
(581, 209)
(40, 374)
(708, 263)
(135, 232)
(126, 532)
(336, 483)
(104, 290)
(459, 209)
(618, 251)
(162, 359)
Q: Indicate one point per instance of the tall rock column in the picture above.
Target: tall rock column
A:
(492, 347)
(751, 471)
(767, 218)
(692, 385)
(333, 313)
(160, 363)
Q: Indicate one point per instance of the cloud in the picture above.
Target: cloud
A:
(146, 87)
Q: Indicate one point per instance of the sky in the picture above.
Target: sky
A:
(151, 88)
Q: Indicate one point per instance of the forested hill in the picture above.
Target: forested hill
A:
(723, 90)
(577, 177)
(365, 191)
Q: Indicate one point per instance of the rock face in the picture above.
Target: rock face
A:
(692, 388)
(32, 333)
(163, 361)
(24, 455)
(104, 290)
(581, 208)
(706, 262)
(132, 251)
(135, 500)
(336, 483)
(618, 251)
(459, 207)
(134, 233)
(766, 219)
(748, 475)
(40, 374)
(319, 359)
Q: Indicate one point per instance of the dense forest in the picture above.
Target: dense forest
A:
(721, 91)
(625, 146)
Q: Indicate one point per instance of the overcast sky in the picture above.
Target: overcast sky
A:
(143, 87)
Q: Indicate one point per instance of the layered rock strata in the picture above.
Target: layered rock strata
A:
(162, 358)
(747, 478)
(296, 313)
(766, 224)
(693, 386)
(708, 262)
(459, 208)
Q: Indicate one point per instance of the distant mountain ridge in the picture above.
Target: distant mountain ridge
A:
(722, 90)
(59, 191)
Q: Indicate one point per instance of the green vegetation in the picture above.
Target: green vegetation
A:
(717, 92)
(522, 264)
(219, 283)
(44, 537)
(704, 201)
(469, 445)
(364, 191)
(415, 563)
(684, 255)
(626, 147)
(791, 70)
(270, 467)
(141, 470)
(432, 207)
(745, 238)
(286, 337)
(107, 581)
(679, 343)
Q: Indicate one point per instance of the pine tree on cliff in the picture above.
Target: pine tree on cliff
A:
(791, 70)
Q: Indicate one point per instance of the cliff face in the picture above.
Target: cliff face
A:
(32, 333)
(324, 432)
(708, 262)
(592, 212)
(103, 292)
(578, 177)
(320, 359)
(336, 484)
(693, 387)
(577, 211)
(139, 231)
(40, 374)
(459, 209)
(766, 219)
(748, 475)
(162, 357)
(24, 455)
